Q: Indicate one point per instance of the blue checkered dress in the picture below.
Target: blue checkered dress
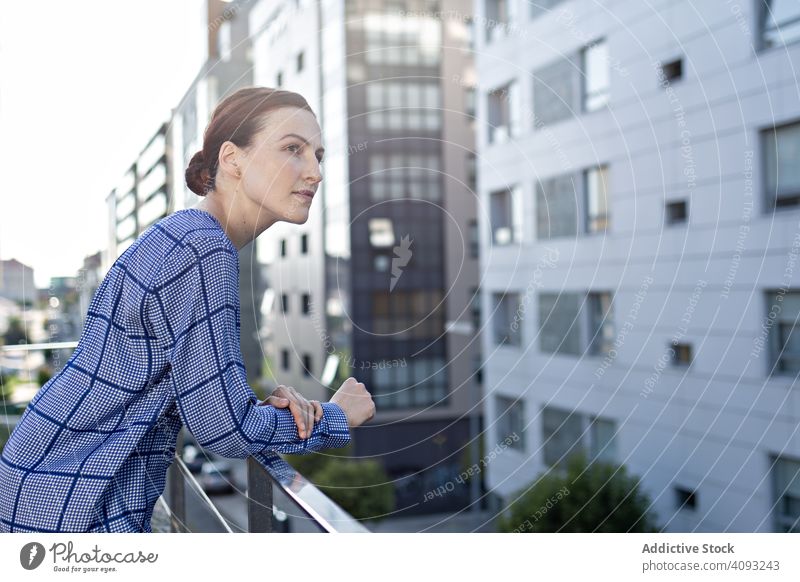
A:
(160, 349)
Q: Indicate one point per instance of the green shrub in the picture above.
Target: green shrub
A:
(360, 487)
(599, 497)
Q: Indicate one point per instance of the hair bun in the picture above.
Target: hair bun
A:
(197, 174)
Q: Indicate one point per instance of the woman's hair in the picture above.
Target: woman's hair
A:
(237, 118)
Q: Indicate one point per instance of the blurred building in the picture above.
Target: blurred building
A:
(638, 175)
(379, 282)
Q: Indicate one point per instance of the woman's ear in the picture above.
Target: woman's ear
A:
(230, 159)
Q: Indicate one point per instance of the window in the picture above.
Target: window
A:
(414, 314)
(555, 89)
(381, 233)
(304, 244)
(284, 303)
(557, 207)
(470, 95)
(673, 70)
(782, 170)
(394, 39)
(596, 187)
(506, 216)
(284, 359)
(283, 247)
(596, 76)
(601, 324)
(780, 22)
(685, 498)
(420, 382)
(472, 171)
(224, 41)
(676, 212)
(504, 110)
(307, 365)
(400, 106)
(474, 239)
(540, 7)
(510, 421)
(785, 332)
(681, 354)
(306, 303)
(404, 175)
(300, 57)
(477, 366)
(381, 263)
(573, 203)
(567, 328)
(565, 433)
(506, 324)
(497, 18)
(786, 494)
(559, 329)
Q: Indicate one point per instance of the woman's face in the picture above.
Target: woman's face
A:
(282, 161)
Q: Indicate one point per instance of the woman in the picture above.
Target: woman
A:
(160, 347)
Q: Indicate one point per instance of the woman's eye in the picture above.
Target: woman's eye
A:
(294, 146)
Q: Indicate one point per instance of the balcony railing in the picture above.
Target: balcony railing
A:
(262, 483)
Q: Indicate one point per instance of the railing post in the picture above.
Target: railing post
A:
(259, 498)
(177, 492)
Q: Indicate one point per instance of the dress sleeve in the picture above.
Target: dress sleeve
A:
(194, 309)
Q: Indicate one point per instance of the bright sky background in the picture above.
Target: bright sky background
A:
(82, 88)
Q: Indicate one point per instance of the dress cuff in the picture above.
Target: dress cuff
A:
(338, 429)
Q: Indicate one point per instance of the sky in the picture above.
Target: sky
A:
(82, 89)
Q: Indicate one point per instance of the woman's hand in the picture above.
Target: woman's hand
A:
(305, 412)
(355, 402)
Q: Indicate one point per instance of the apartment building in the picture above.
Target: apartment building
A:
(639, 233)
(379, 282)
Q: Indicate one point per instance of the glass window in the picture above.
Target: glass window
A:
(559, 325)
(602, 443)
(596, 76)
(557, 207)
(786, 494)
(540, 7)
(784, 309)
(561, 434)
(503, 122)
(601, 323)
(554, 93)
(565, 433)
(782, 166)
(475, 309)
(496, 19)
(506, 325)
(381, 232)
(506, 216)
(596, 182)
(510, 415)
(780, 22)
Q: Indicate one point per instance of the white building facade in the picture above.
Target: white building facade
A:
(639, 228)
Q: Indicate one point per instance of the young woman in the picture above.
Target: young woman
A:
(160, 347)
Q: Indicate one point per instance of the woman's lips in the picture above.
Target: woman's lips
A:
(305, 195)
